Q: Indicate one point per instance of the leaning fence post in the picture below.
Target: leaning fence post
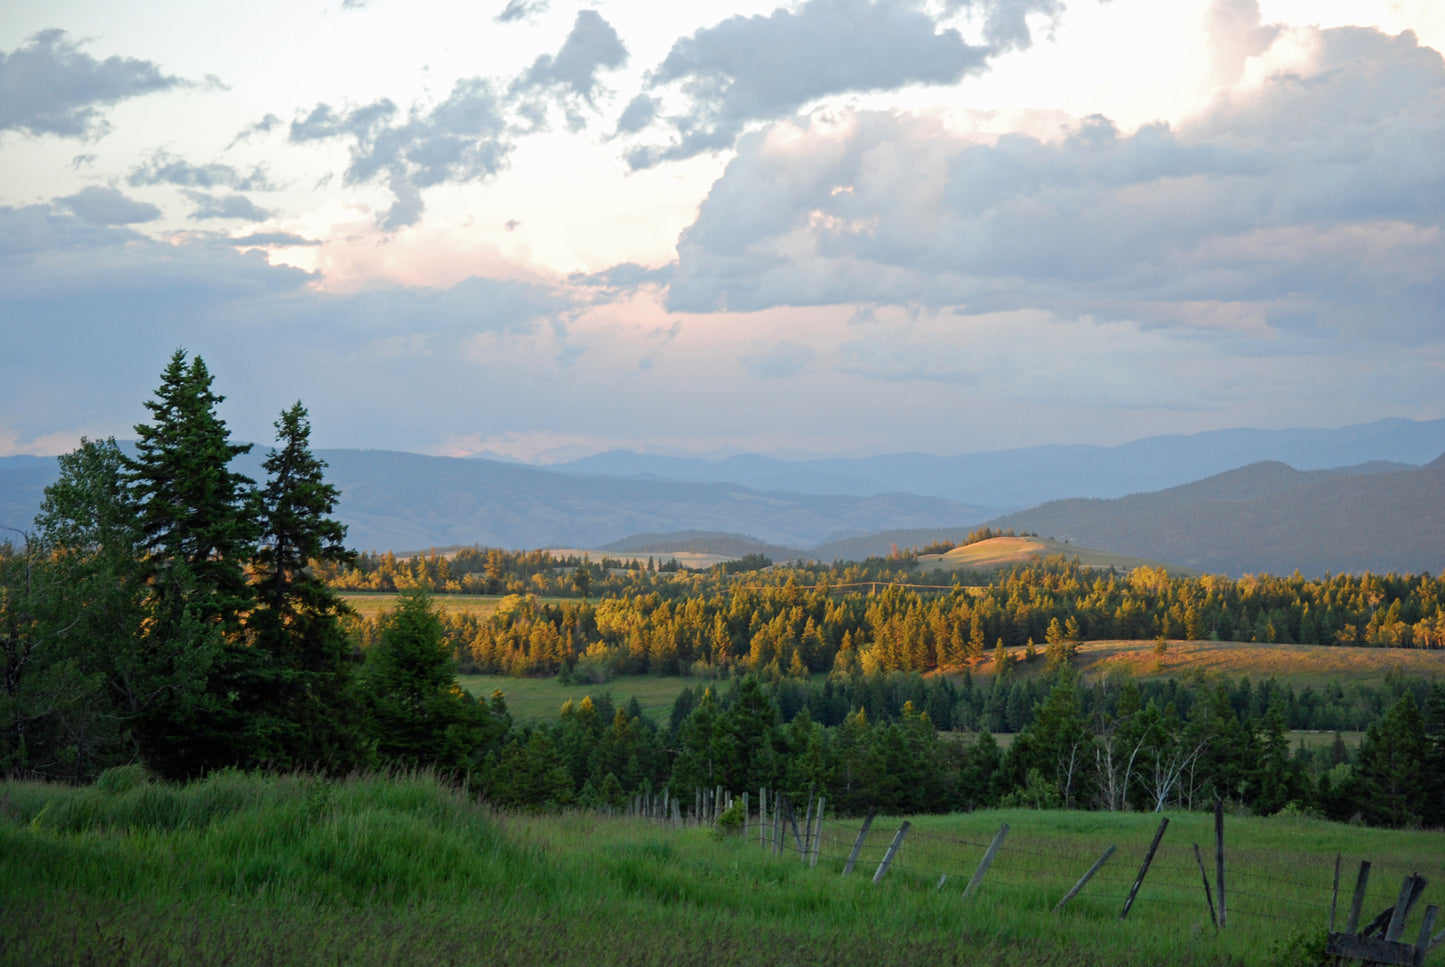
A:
(793, 822)
(1219, 856)
(858, 843)
(818, 832)
(1352, 925)
(1085, 878)
(1422, 945)
(987, 860)
(1335, 893)
(807, 845)
(1409, 893)
(1148, 858)
(1199, 858)
(892, 849)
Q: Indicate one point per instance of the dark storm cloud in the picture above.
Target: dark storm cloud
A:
(51, 86)
(1315, 202)
(760, 68)
(109, 206)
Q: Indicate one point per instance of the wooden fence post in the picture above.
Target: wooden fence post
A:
(1098, 863)
(818, 832)
(1219, 856)
(1423, 944)
(793, 822)
(1352, 925)
(892, 849)
(1213, 918)
(762, 815)
(807, 845)
(858, 844)
(1148, 858)
(987, 860)
(1335, 893)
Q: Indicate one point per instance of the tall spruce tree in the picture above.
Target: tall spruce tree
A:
(196, 514)
(197, 532)
(302, 673)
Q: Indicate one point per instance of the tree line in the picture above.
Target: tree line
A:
(1085, 748)
(802, 620)
(168, 610)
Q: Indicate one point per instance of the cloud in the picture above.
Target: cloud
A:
(109, 206)
(229, 206)
(1308, 200)
(469, 136)
(760, 68)
(624, 278)
(570, 76)
(516, 10)
(780, 361)
(464, 138)
(1006, 24)
(50, 86)
(163, 168)
(264, 126)
(638, 114)
(92, 312)
(274, 240)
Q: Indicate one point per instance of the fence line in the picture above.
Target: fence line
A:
(943, 861)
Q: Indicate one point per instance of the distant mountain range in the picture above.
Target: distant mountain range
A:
(1381, 512)
(1008, 480)
(1268, 517)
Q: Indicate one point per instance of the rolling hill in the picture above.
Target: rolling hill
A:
(1268, 517)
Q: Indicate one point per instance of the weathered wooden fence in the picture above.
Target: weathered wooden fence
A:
(1179, 876)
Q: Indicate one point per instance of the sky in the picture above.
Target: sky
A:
(543, 229)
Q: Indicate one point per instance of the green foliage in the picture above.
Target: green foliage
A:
(416, 714)
(195, 515)
(730, 821)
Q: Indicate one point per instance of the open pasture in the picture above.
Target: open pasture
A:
(533, 699)
(1010, 551)
(372, 606)
(301, 870)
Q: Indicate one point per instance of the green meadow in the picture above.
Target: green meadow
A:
(248, 869)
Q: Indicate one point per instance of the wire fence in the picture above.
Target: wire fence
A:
(1045, 868)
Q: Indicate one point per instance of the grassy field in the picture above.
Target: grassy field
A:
(1300, 665)
(695, 560)
(373, 605)
(1006, 551)
(298, 870)
(530, 699)
(1316, 665)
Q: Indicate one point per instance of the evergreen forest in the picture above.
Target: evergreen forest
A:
(167, 611)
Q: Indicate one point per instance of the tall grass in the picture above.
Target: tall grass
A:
(300, 870)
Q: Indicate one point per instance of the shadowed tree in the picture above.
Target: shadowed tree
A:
(302, 675)
(197, 532)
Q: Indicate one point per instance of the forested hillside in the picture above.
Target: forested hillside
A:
(168, 610)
